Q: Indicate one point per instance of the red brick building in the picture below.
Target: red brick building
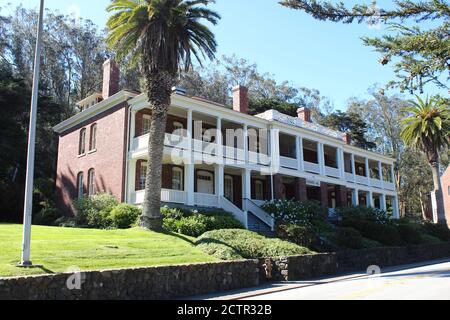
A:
(215, 156)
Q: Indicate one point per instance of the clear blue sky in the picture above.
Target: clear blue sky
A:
(286, 43)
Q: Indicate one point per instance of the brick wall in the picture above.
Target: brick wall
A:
(108, 160)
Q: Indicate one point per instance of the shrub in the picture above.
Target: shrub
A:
(301, 235)
(123, 216)
(348, 238)
(294, 212)
(369, 244)
(428, 239)
(362, 213)
(385, 234)
(195, 224)
(173, 213)
(94, 211)
(439, 231)
(192, 226)
(410, 233)
(47, 215)
(239, 243)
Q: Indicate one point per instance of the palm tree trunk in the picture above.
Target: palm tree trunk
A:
(159, 89)
(438, 193)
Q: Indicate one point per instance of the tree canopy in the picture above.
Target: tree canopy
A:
(420, 56)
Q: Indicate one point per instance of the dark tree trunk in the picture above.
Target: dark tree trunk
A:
(159, 90)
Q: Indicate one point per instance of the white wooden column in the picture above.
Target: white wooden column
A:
(393, 177)
(355, 197)
(353, 168)
(299, 152)
(219, 140)
(245, 142)
(219, 181)
(131, 183)
(370, 199)
(246, 187)
(274, 150)
(383, 205)
(380, 171)
(395, 207)
(368, 171)
(341, 163)
(321, 155)
(132, 127)
(189, 176)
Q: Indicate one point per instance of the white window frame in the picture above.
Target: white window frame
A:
(91, 182)
(180, 182)
(80, 186)
(146, 124)
(82, 142)
(143, 175)
(93, 138)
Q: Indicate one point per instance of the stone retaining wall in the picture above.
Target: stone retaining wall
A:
(190, 280)
(313, 266)
(144, 283)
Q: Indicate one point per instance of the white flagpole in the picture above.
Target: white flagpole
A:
(28, 203)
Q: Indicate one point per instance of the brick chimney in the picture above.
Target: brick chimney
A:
(111, 76)
(304, 114)
(240, 99)
(347, 139)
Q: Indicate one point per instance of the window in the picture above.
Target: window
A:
(93, 138)
(80, 188)
(259, 190)
(142, 175)
(228, 188)
(146, 124)
(91, 182)
(82, 142)
(177, 179)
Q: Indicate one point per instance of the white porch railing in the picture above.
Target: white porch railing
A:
(349, 177)
(173, 196)
(228, 206)
(206, 200)
(389, 185)
(376, 183)
(287, 162)
(259, 203)
(260, 213)
(233, 153)
(362, 180)
(167, 195)
(332, 172)
(170, 140)
(311, 167)
(258, 158)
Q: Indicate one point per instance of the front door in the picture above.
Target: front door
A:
(205, 182)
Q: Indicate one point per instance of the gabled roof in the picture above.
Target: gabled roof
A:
(104, 105)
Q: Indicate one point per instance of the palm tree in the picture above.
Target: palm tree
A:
(161, 36)
(428, 129)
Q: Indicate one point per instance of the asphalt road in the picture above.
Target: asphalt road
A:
(414, 282)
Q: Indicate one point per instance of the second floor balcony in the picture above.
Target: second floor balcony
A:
(213, 138)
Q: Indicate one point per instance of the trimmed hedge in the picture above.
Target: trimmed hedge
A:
(235, 244)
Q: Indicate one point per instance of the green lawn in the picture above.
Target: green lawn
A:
(58, 249)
